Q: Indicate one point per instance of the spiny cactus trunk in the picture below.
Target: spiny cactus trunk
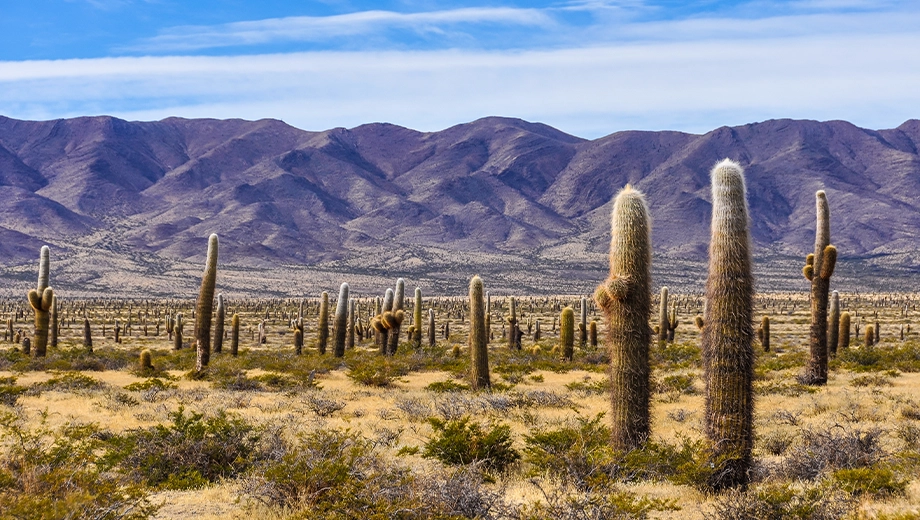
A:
(417, 319)
(40, 299)
(592, 334)
(341, 321)
(395, 319)
(432, 332)
(664, 324)
(234, 335)
(819, 267)
(219, 325)
(567, 333)
(350, 337)
(323, 333)
(177, 332)
(728, 356)
(626, 301)
(87, 336)
(583, 324)
(53, 324)
(479, 348)
(205, 307)
(833, 324)
(764, 333)
(844, 339)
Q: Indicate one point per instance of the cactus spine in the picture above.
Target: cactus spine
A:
(417, 318)
(818, 269)
(323, 332)
(567, 333)
(626, 300)
(341, 321)
(393, 321)
(234, 335)
(219, 324)
(833, 324)
(479, 353)
(205, 307)
(40, 300)
(728, 356)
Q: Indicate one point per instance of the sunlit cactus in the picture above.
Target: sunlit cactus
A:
(567, 333)
(322, 333)
(341, 321)
(205, 307)
(393, 321)
(625, 298)
(219, 324)
(833, 324)
(234, 335)
(479, 348)
(177, 332)
(819, 266)
(146, 361)
(417, 319)
(41, 299)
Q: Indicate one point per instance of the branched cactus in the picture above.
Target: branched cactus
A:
(567, 333)
(205, 307)
(234, 335)
(728, 331)
(41, 299)
(479, 348)
(625, 298)
(393, 321)
(341, 321)
(833, 324)
(819, 266)
(219, 325)
(514, 334)
(323, 326)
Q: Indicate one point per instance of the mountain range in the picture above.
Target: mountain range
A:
(119, 200)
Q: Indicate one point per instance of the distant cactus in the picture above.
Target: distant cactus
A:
(514, 335)
(625, 298)
(350, 339)
(537, 333)
(177, 332)
(219, 324)
(728, 356)
(819, 266)
(341, 321)
(87, 336)
(298, 336)
(40, 299)
(870, 336)
(664, 323)
(394, 320)
(323, 325)
(763, 333)
(583, 324)
(234, 335)
(205, 307)
(567, 333)
(833, 324)
(592, 334)
(53, 324)
(878, 332)
(146, 361)
(479, 347)
(417, 319)
(432, 332)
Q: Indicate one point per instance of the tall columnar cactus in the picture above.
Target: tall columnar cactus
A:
(234, 335)
(728, 355)
(322, 333)
(417, 318)
(592, 334)
(341, 321)
(625, 297)
(393, 321)
(488, 317)
(219, 324)
(833, 324)
(298, 336)
(177, 332)
(205, 307)
(53, 324)
(432, 333)
(40, 299)
(763, 333)
(664, 322)
(350, 339)
(87, 336)
(843, 342)
(479, 348)
(567, 332)
(583, 324)
(878, 332)
(514, 334)
(819, 266)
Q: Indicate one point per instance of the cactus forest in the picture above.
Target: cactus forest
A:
(636, 401)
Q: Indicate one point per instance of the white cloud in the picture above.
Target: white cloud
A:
(870, 80)
(321, 28)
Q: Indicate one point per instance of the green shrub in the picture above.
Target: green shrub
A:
(674, 356)
(873, 481)
(620, 505)
(68, 382)
(380, 371)
(153, 383)
(461, 442)
(676, 384)
(786, 501)
(188, 453)
(447, 386)
(10, 391)
(589, 387)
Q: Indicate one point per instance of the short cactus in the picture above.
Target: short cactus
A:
(341, 321)
(728, 356)
(763, 333)
(592, 334)
(819, 266)
(625, 298)
(567, 333)
(870, 336)
(146, 361)
(479, 348)
(205, 307)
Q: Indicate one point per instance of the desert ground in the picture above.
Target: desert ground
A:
(272, 434)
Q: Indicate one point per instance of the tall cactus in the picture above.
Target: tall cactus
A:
(432, 333)
(583, 324)
(514, 335)
(567, 333)
(177, 332)
(728, 355)
(625, 297)
(833, 324)
(844, 339)
(350, 338)
(664, 322)
(393, 321)
(53, 324)
(40, 299)
(763, 333)
(219, 324)
(417, 319)
(323, 333)
(87, 336)
(341, 321)
(479, 348)
(205, 307)
(819, 266)
(234, 335)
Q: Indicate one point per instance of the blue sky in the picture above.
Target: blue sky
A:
(588, 67)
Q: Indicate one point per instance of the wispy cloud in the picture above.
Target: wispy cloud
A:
(320, 28)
